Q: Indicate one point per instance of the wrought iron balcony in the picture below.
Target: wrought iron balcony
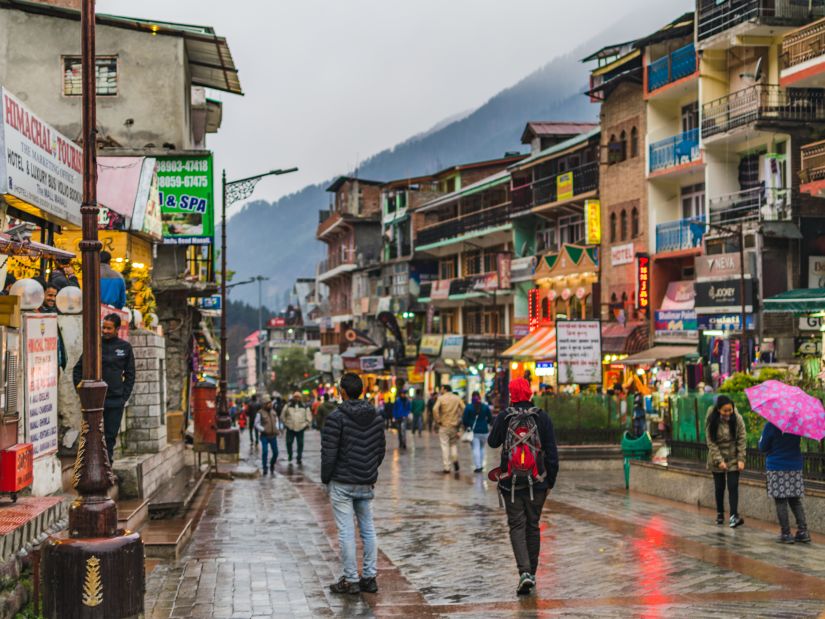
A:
(680, 235)
(675, 150)
(804, 44)
(451, 228)
(715, 17)
(763, 104)
(545, 190)
(813, 162)
(756, 204)
(675, 66)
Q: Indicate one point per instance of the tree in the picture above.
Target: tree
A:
(292, 366)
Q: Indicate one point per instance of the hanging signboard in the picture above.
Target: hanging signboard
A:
(503, 267)
(593, 222)
(719, 266)
(723, 296)
(675, 324)
(816, 271)
(371, 364)
(453, 347)
(564, 186)
(643, 283)
(430, 345)
(724, 322)
(40, 341)
(186, 196)
(579, 352)
(38, 166)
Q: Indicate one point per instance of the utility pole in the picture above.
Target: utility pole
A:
(96, 570)
(262, 346)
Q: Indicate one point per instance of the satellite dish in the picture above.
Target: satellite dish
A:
(523, 251)
(756, 76)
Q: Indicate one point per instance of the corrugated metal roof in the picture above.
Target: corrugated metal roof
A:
(499, 178)
(558, 148)
(545, 128)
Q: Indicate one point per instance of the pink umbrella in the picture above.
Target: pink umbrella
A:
(788, 408)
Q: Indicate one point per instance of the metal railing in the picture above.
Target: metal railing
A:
(675, 150)
(762, 103)
(344, 255)
(545, 190)
(667, 69)
(486, 218)
(813, 162)
(804, 44)
(680, 234)
(757, 204)
(715, 17)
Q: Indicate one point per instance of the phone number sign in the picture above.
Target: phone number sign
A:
(187, 199)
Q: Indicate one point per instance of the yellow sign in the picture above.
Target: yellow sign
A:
(564, 186)
(120, 244)
(593, 219)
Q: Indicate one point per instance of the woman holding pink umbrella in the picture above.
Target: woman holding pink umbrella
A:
(727, 443)
(785, 485)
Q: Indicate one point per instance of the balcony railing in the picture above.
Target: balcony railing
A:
(679, 235)
(813, 162)
(344, 255)
(676, 65)
(486, 218)
(716, 17)
(762, 103)
(545, 190)
(804, 44)
(756, 204)
(675, 150)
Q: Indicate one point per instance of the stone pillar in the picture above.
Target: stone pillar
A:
(146, 414)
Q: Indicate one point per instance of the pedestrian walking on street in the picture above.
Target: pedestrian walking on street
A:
(117, 362)
(417, 408)
(529, 466)
(324, 411)
(447, 414)
(783, 464)
(401, 414)
(727, 443)
(478, 418)
(252, 408)
(430, 408)
(266, 423)
(639, 414)
(233, 413)
(352, 449)
(297, 418)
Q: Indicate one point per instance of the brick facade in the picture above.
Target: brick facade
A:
(146, 415)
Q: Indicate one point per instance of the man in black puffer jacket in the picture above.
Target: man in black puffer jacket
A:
(352, 449)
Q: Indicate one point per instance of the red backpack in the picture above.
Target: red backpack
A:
(522, 449)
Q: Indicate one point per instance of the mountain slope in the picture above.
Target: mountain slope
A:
(278, 239)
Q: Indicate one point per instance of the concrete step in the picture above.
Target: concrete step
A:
(175, 496)
(132, 513)
(166, 539)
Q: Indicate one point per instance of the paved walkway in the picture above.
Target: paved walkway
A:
(267, 548)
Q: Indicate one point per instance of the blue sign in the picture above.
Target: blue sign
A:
(210, 303)
(724, 322)
(675, 323)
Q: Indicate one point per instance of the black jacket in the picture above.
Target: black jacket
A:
(60, 280)
(352, 444)
(118, 363)
(548, 446)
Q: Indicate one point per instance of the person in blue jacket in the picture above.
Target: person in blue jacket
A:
(785, 484)
(112, 285)
(400, 413)
(478, 418)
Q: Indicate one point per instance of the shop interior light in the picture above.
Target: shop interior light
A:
(393, 390)
(118, 259)
(713, 332)
(411, 392)
(480, 366)
(514, 365)
(473, 371)
(640, 371)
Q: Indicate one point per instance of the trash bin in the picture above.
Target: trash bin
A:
(640, 448)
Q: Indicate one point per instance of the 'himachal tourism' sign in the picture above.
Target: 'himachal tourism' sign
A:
(38, 166)
(40, 341)
(186, 197)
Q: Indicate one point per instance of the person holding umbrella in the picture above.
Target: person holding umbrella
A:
(727, 443)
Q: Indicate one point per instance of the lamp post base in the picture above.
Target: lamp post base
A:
(228, 441)
(90, 578)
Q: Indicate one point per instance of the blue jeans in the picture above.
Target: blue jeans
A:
(349, 499)
(266, 441)
(479, 441)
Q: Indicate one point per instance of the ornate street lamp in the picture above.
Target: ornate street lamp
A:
(96, 570)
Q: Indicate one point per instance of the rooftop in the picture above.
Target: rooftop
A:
(499, 178)
(554, 129)
(578, 140)
(338, 182)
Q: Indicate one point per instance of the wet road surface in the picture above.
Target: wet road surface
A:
(267, 547)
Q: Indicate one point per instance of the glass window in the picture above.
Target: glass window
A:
(693, 201)
(634, 222)
(623, 223)
(106, 69)
(612, 227)
(634, 142)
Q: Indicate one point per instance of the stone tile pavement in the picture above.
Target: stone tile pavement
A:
(267, 547)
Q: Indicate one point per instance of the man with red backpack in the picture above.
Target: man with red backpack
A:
(529, 466)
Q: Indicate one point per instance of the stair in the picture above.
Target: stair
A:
(132, 513)
(165, 539)
(174, 497)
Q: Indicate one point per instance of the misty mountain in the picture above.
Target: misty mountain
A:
(278, 239)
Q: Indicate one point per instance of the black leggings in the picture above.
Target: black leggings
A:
(733, 491)
(782, 514)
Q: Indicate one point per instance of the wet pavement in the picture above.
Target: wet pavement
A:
(267, 547)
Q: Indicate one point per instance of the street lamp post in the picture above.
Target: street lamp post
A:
(261, 347)
(228, 439)
(96, 571)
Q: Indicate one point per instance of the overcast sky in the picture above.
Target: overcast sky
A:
(330, 82)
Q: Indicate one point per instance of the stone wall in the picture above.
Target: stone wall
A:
(146, 415)
(68, 403)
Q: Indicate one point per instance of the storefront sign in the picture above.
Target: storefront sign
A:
(621, 254)
(503, 265)
(724, 322)
(322, 362)
(643, 282)
(810, 323)
(212, 302)
(718, 266)
(676, 324)
(533, 309)
(523, 269)
(453, 347)
(579, 352)
(816, 271)
(593, 222)
(371, 364)
(40, 340)
(679, 296)
(430, 345)
(38, 165)
(723, 296)
(276, 322)
(564, 186)
(440, 289)
(808, 346)
(545, 368)
(485, 281)
(186, 197)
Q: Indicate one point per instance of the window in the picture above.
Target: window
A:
(448, 321)
(546, 239)
(634, 222)
(617, 149)
(106, 69)
(693, 201)
(634, 142)
(471, 263)
(446, 268)
(623, 142)
(690, 117)
(624, 225)
(612, 227)
(545, 308)
(571, 229)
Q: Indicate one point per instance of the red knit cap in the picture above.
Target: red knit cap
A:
(520, 390)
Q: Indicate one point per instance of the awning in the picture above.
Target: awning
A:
(31, 249)
(658, 353)
(624, 339)
(127, 187)
(801, 300)
(540, 344)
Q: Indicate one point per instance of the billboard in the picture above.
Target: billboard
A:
(579, 352)
(187, 201)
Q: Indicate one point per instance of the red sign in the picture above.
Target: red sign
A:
(16, 466)
(533, 309)
(643, 282)
(277, 322)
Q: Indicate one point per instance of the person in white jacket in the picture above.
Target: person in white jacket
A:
(297, 418)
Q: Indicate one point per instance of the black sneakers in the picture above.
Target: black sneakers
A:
(736, 521)
(272, 468)
(347, 587)
(368, 585)
(525, 583)
(720, 519)
(455, 466)
(802, 537)
(785, 538)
